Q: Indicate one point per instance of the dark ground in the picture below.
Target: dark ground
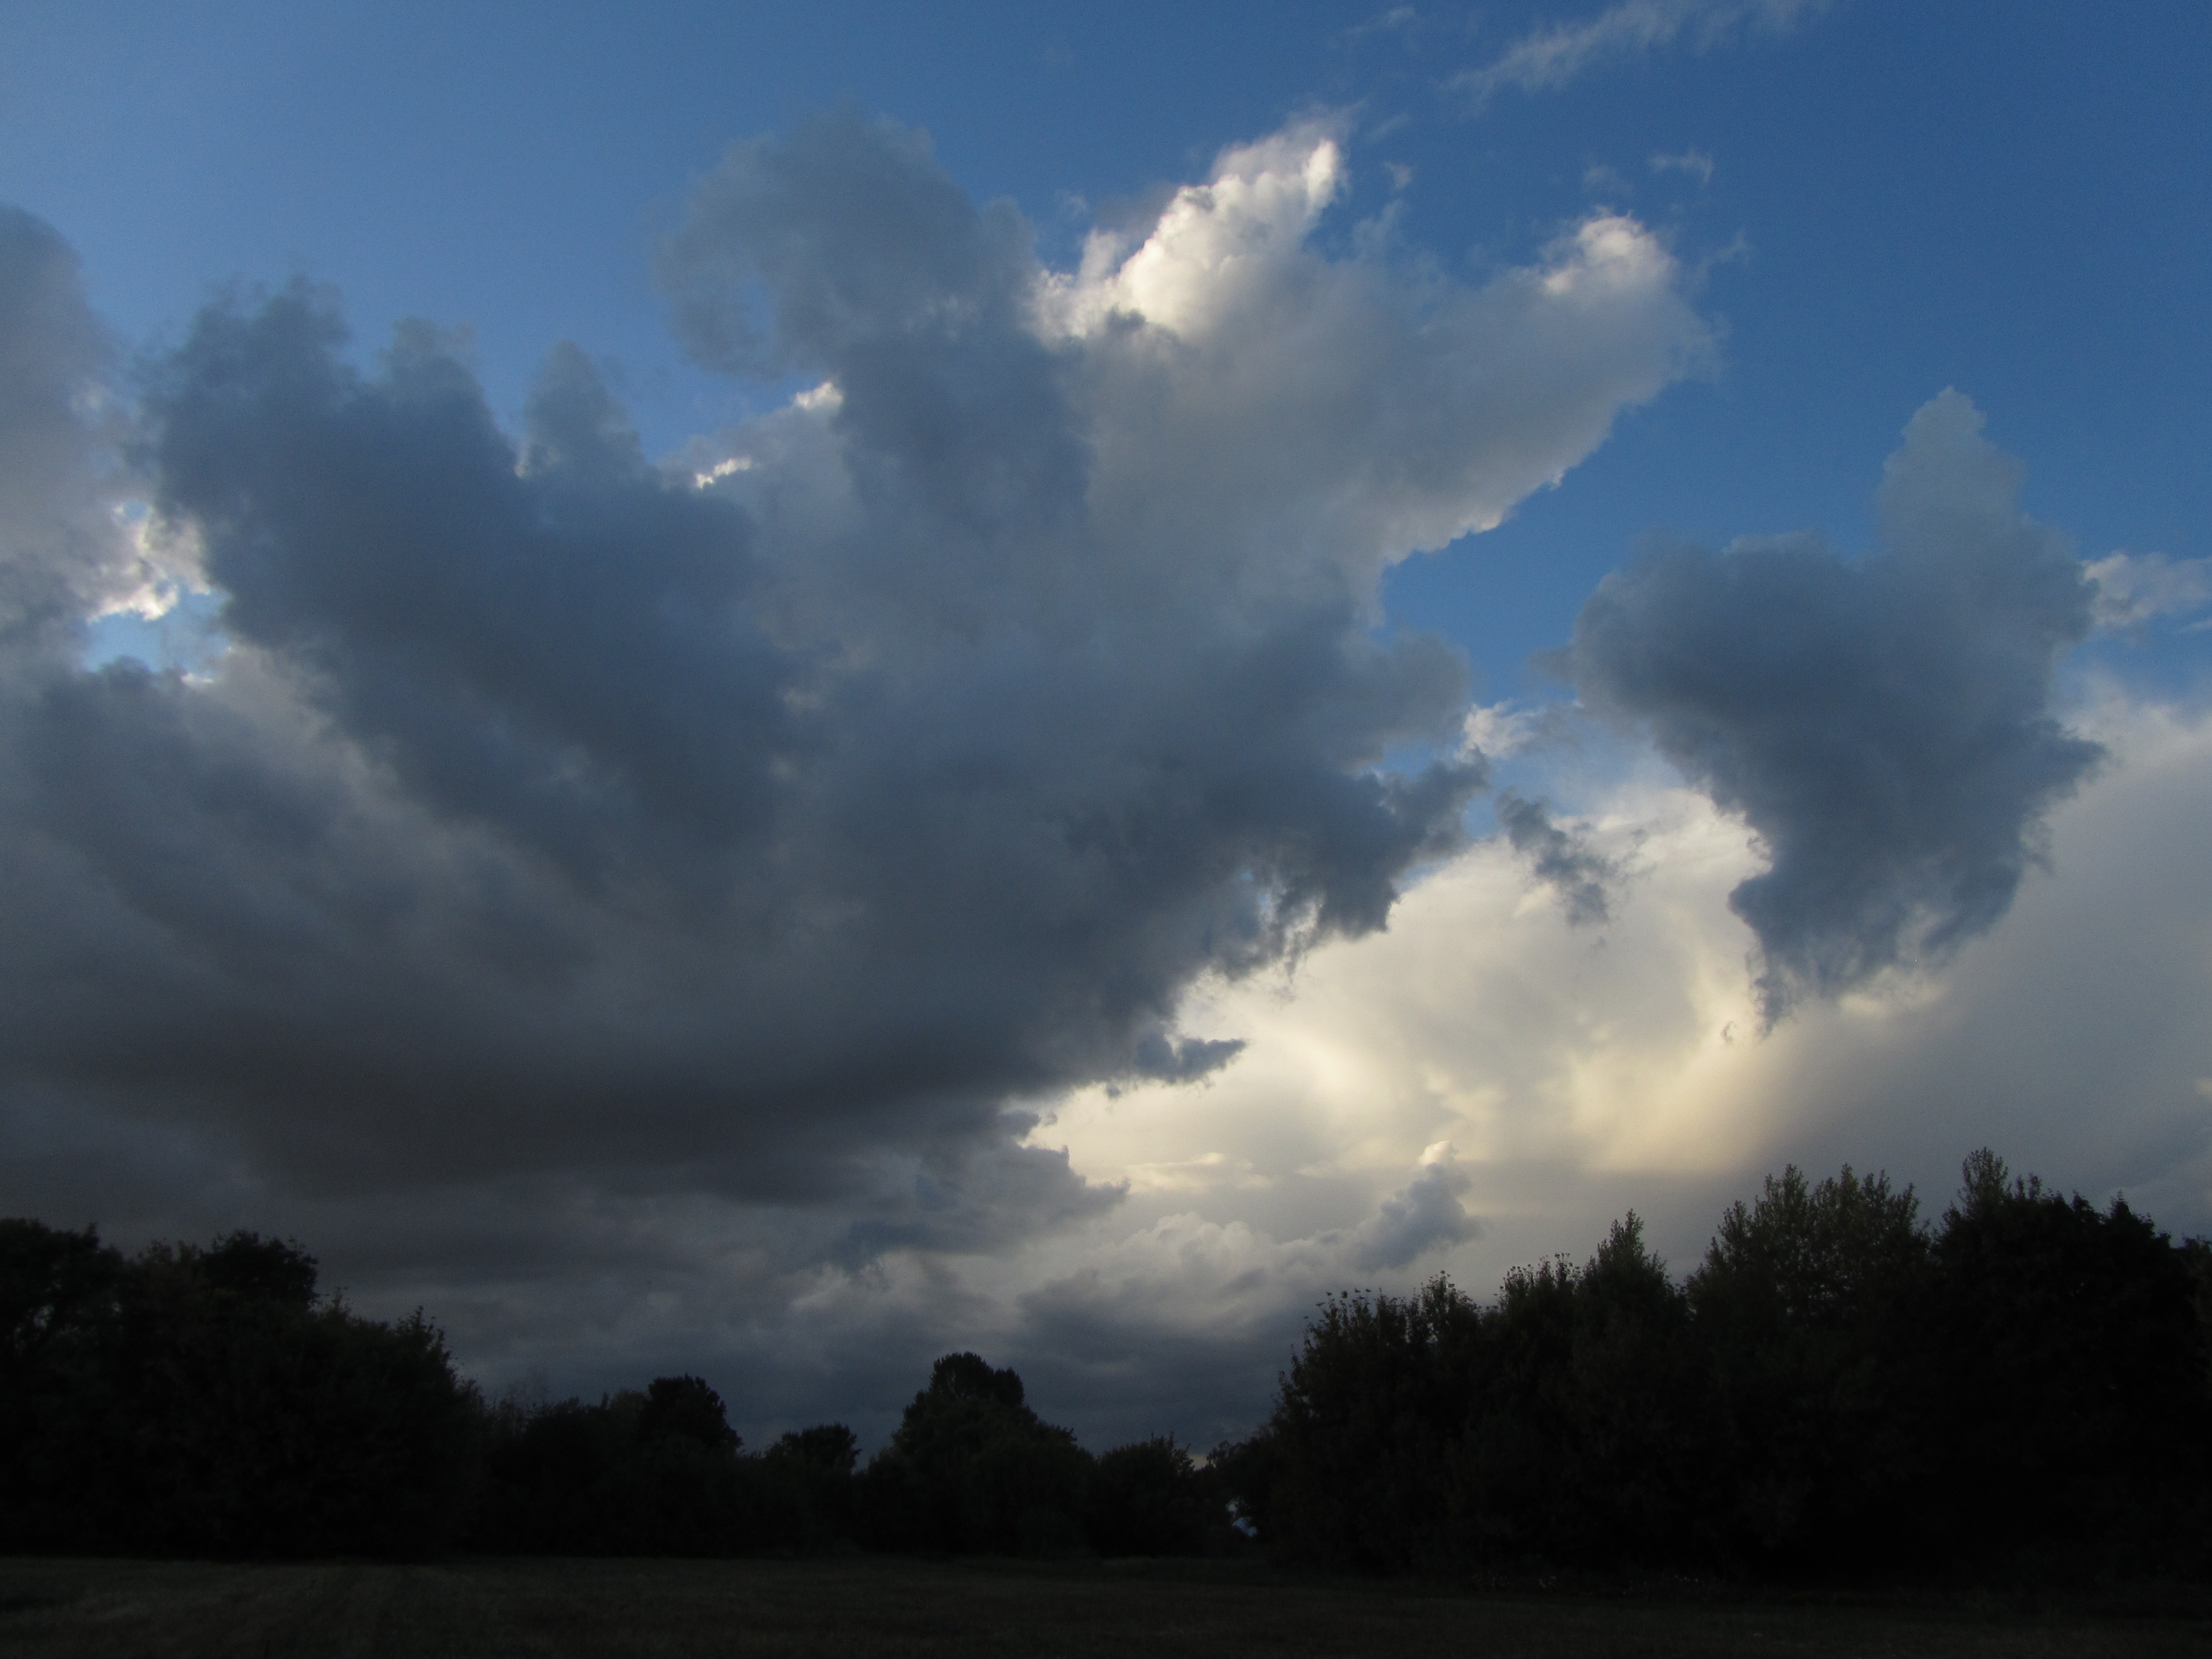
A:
(858, 1608)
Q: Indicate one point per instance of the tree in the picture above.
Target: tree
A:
(685, 1408)
(650, 1472)
(58, 1315)
(1808, 1304)
(207, 1401)
(1354, 1466)
(971, 1469)
(2069, 1366)
(1150, 1498)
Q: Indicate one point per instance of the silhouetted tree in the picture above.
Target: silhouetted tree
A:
(206, 1402)
(58, 1324)
(1150, 1498)
(1566, 1421)
(809, 1475)
(655, 1472)
(685, 1408)
(972, 1469)
(2069, 1368)
(1809, 1305)
(1354, 1467)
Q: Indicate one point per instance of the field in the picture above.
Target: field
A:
(859, 1608)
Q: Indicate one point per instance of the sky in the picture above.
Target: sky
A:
(768, 691)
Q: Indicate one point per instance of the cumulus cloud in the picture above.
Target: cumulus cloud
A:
(1424, 1215)
(1551, 57)
(755, 831)
(2134, 587)
(1883, 725)
(1573, 1081)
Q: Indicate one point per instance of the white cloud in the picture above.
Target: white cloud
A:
(1694, 162)
(1342, 413)
(2134, 587)
(1551, 57)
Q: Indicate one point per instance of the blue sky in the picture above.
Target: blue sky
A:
(966, 835)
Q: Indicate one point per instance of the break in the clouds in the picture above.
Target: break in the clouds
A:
(1885, 726)
(564, 833)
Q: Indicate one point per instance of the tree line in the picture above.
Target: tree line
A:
(207, 1401)
(1838, 1389)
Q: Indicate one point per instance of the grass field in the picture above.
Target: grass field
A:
(859, 1608)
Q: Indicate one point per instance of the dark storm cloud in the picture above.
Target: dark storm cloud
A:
(1883, 725)
(551, 811)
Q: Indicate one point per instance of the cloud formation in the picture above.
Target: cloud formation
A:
(1576, 1077)
(1563, 859)
(1884, 726)
(569, 839)
(62, 556)
(2134, 587)
(1549, 59)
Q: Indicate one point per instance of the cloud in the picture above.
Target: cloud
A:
(1884, 726)
(2131, 588)
(711, 864)
(1550, 58)
(63, 554)
(1695, 162)
(1562, 860)
(1575, 1080)
(1422, 1215)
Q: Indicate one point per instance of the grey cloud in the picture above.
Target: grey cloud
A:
(1564, 861)
(1163, 1059)
(1883, 725)
(553, 811)
(582, 869)
(1421, 1216)
(60, 554)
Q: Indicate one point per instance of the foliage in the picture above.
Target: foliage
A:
(1150, 1498)
(1562, 1421)
(2070, 1425)
(1837, 1388)
(209, 1402)
(972, 1469)
(1810, 1304)
(653, 1474)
